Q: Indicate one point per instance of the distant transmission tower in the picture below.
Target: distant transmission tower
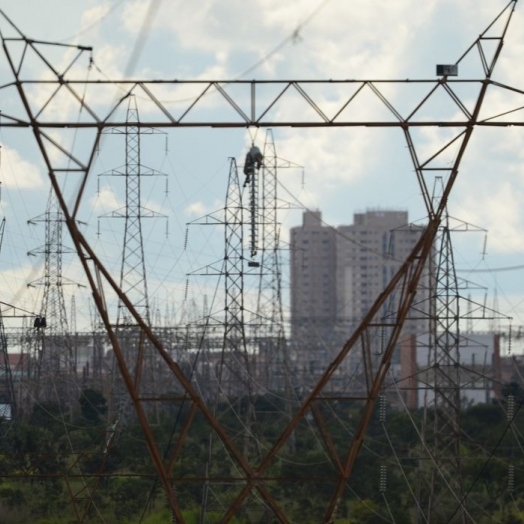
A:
(234, 376)
(445, 376)
(54, 345)
(133, 280)
(270, 333)
(233, 366)
(235, 358)
(444, 347)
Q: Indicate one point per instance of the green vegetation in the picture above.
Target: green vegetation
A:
(49, 466)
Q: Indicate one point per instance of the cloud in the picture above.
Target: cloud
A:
(15, 281)
(341, 36)
(91, 16)
(106, 200)
(196, 209)
(17, 172)
(499, 208)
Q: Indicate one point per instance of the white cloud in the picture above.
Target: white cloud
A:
(196, 209)
(500, 208)
(17, 172)
(15, 285)
(341, 38)
(92, 15)
(106, 200)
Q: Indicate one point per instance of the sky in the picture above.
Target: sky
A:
(339, 171)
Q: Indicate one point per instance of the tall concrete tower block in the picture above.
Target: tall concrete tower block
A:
(313, 285)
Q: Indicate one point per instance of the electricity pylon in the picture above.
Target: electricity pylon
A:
(56, 361)
(270, 334)
(445, 375)
(133, 278)
(233, 370)
(257, 478)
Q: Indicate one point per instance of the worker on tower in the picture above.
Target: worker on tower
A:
(254, 160)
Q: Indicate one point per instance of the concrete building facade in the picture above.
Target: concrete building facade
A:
(369, 253)
(313, 278)
(336, 275)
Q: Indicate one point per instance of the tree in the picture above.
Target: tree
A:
(93, 406)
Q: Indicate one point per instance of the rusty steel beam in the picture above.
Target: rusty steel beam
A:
(87, 254)
(326, 437)
(178, 447)
(417, 258)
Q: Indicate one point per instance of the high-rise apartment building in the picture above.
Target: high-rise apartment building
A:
(313, 279)
(337, 273)
(369, 253)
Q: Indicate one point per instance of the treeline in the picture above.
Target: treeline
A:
(74, 466)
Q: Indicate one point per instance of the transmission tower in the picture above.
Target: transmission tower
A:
(444, 376)
(234, 349)
(445, 363)
(234, 372)
(133, 278)
(54, 354)
(7, 392)
(231, 381)
(270, 334)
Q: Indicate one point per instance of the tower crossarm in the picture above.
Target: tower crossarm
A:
(342, 116)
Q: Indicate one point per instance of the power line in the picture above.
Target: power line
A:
(113, 8)
(492, 270)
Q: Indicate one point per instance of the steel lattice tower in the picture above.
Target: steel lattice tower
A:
(444, 375)
(446, 370)
(270, 333)
(54, 351)
(7, 393)
(234, 326)
(233, 369)
(133, 278)
(235, 356)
